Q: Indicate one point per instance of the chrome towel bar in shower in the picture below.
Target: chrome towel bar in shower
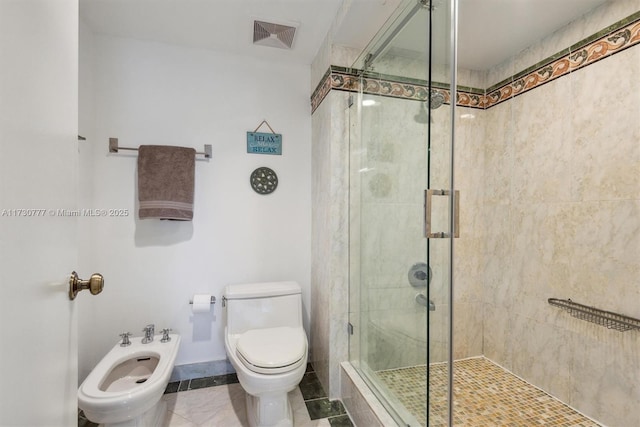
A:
(610, 320)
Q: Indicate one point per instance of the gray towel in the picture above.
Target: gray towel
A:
(166, 181)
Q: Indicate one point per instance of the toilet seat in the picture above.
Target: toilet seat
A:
(272, 350)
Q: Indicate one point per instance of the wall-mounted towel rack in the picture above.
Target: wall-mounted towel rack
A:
(113, 148)
(611, 320)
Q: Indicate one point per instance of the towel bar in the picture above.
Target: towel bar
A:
(608, 319)
(113, 148)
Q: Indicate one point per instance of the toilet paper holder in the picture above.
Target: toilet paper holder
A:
(213, 300)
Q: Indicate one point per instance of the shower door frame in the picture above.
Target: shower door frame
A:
(366, 59)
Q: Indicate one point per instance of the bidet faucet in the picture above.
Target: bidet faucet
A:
(125, 339)
(149, 331)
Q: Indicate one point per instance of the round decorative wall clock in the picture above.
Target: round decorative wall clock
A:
(264, 180)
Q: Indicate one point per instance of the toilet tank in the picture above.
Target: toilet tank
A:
(263, 305)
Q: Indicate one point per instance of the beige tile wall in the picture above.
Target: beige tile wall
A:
(562, 219)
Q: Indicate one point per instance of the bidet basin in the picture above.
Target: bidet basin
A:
(129, 381)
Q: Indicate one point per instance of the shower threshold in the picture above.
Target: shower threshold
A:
(485, 394)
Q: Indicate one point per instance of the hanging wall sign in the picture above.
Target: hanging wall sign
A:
(264, 143)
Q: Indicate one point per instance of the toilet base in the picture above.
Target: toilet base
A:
(269, 410)
(153, 417)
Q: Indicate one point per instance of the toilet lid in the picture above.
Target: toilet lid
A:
(272, 347)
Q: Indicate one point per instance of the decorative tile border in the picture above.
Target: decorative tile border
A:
(611, 40)
(323, 88)
(349, 79)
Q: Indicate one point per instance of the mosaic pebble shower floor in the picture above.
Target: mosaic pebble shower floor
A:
(484, 394)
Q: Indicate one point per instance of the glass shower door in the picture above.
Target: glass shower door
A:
(441, 213)
(400, 279)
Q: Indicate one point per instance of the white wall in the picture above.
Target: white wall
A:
(150, 93)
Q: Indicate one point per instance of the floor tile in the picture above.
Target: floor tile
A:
(323, 408)
(172, 387)
(84, 422)
(174, 420)
(484, 394)
(221, 402)
(224, 405)
(341, 421)
(197, 383)
(226, 379)
(311, 387)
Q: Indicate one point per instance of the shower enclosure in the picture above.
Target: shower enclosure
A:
(471, 207)
(401, 135)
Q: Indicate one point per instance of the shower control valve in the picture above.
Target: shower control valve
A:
(125, 339)
(165, 335)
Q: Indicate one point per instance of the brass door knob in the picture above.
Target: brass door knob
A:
(94, 284)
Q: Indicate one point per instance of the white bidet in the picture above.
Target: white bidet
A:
(125, 387)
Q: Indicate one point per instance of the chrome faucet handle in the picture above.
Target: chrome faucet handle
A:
(165, 335)
(149, 331)
(422, 300)
(125, 339)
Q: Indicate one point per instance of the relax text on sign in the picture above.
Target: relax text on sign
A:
(264, 143)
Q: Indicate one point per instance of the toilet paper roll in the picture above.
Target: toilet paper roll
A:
(201, 303)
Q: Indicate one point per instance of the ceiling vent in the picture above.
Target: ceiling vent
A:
(274, 35)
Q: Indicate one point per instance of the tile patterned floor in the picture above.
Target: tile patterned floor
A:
(220, 402)
(485, 395)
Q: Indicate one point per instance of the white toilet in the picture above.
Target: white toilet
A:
(267, 346)
(126, 386)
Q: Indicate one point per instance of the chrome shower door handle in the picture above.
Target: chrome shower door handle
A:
(428, 206)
